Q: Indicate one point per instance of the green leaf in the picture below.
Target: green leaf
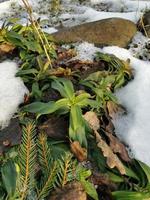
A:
(9, 177)
(77, 126)
(40, 108)
(27, 71)
(90, 189)
(146, 169)
(36, 92)
(126, 195)
(115, 178)
(82, 175)
(62, 103)
(64, 87)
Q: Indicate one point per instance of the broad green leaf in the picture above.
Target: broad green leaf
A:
(62, 103)
(80, 98)
(131, 173)
(9, 177)
(90, 189)
(27, 71)
(126, 195)
(64, 86)
(146, 170)
(40, 108)
(59, 87)
(115, 178)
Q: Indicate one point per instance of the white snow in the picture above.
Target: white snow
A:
(91, 15)
(12, 91)
(50, 30)
(85, 51)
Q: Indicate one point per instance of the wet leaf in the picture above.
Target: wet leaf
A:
(78, 151)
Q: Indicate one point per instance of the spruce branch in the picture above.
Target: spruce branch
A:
(44, 153)
(27, 159)
(48, 181)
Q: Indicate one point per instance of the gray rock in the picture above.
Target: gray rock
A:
(112, 31)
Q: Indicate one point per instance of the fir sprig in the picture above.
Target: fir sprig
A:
(27, 159)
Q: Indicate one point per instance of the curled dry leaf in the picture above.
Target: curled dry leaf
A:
(118, 147)
(61, 72)
(6, 48)
(73, 190)
(114, 109)
(78, 151)
(112, 158)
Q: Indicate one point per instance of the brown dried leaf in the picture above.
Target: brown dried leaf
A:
(73, 190)
(112, 159)
(92, 120)
(66, 54)
(118, 147)
(6, 48)
(78, 151)
(61, 72)
(114, 109)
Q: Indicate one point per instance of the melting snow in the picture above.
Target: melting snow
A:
(12, 91)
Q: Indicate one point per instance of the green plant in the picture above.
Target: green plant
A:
(72, 103)
(101, 83)
(35, 64)
(37, 171)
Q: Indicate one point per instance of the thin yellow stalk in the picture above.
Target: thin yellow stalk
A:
(38, 30)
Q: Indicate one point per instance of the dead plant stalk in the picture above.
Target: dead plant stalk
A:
(38, 30)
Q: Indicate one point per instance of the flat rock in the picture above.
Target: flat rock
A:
(112, 31)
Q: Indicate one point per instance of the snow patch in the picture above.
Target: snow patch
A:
(85, 51)
(12, 91)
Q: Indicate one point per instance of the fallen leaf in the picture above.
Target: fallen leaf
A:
(111, 157)
(92, 120)
(61, 72)
(6, 48)
(118, 147)
(78, 151)
(73, 190)
(114, 109)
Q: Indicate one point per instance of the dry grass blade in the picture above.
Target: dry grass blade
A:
(39, 32)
